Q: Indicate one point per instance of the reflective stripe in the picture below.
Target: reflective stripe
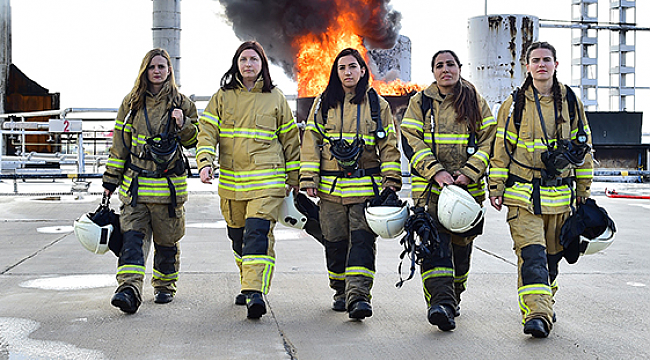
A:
(419, 184)
(487, 122)
(251, 180)
(165, 277)
(539, 289)
(461, 139)
(212, 119)
(309, 166)
(115, 163)
(206, 149)
(237, 257)
(119, 126)
(245, 133)
(268, 262)
(584, 173)
(285, 128)
(336, 276)
(419, 156)
(483, 156)
(131, 269)
(551, 196)
(293, 165)
(437, 272)
(498, 172)
(349, 187)
(411, 123)
(359, 271)
(390, 166)
(157, 187)
(462, 279)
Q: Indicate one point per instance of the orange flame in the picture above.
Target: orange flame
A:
(318, 51)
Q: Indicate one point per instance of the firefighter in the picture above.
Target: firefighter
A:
(448, 130)
(530, 175)
(251, 123)
(347, 155)
(147, 167)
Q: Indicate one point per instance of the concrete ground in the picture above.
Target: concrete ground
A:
(54, 294)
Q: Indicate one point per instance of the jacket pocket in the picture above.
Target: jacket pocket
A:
(264, 133)
(268, 160)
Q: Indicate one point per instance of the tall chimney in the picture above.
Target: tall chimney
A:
(5, 50)
(167, 31)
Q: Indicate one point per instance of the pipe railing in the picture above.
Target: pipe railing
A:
(15, 124)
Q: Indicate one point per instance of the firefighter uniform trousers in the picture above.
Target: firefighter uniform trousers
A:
(537, 245)
(445, 272)
(138, 224)
(349, 250)
(250, 228)
(444, 276)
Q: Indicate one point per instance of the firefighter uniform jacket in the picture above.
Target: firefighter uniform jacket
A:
(381, 154)
(526, 147)
(128, 149)
(443, 145)
(259, 142)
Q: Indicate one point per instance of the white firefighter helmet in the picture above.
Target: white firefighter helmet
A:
(92, 236)
(290, 215)
(602, 242)
(387, 221)
(458, 212)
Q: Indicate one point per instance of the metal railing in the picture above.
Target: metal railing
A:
(66, 125)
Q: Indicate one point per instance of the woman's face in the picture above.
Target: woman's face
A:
(157, 71)
(349, 72)
(446, 72)
(250, 65)
(541, 64)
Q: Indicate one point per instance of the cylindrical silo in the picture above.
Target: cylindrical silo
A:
(167, 31)
(497, 49)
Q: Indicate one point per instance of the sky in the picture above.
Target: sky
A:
(90, 50)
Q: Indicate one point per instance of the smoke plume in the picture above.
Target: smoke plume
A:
(276, 23)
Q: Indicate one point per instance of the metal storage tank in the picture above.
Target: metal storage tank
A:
(496, 45)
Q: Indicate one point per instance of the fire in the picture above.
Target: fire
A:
(318, 51)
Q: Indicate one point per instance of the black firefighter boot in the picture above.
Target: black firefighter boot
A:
(126, 300)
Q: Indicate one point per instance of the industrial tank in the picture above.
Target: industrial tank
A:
(497, 49)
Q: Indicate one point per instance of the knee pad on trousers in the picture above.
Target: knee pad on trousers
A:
(534, 269)
(336, 253)
(553, 265)
(132, 248)
(165, 259)
(236, 235)
(256, 236)
(362, 249)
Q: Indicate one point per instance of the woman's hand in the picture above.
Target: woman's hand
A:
(206, 175)
(461, 179)
(443, 178)
(178, 116)
(292, 188)
(496, 202)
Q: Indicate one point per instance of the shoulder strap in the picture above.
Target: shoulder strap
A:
(517, 119)
(374, 105)
(426, 105)
(373, 98)
(573, 107)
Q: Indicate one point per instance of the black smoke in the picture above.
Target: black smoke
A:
(276, 23)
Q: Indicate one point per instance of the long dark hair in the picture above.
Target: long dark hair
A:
(334, 93)
(229, 79)
(555, 88)
(465, 96)
(137, 94)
